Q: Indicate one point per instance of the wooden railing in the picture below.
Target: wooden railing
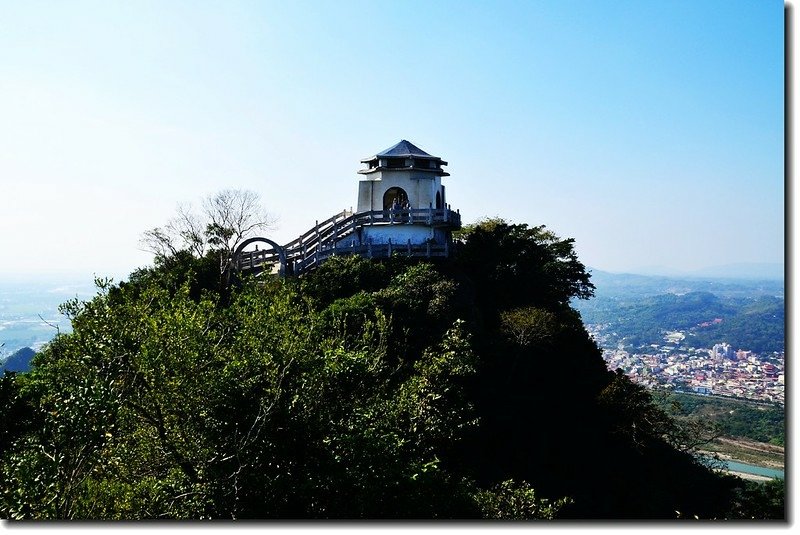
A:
(323, 240)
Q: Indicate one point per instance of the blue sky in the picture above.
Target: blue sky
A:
(649, 131)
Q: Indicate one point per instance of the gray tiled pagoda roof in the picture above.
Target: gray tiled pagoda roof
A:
(404, 148)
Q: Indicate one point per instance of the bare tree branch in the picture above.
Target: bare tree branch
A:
(159, 241)
(234, 216)
(190, 228)
(225, 220)
(58, 331)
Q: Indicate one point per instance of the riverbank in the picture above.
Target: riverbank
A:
(748, 451)
(750, 477)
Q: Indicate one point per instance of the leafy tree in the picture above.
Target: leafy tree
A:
(641, 417)
(160, 405)
(340, 277)
(527, 325)
(518, 265)
(16, 410)
(509, 501)
(760, 501)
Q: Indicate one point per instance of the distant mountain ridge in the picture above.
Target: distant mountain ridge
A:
(739, 271)
(630, 285)
(19, 361)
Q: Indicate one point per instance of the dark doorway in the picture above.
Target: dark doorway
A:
(392, 194)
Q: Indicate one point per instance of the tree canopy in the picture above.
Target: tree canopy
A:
(465, 388)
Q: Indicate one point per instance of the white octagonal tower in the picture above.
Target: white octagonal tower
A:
(402, 171)
(401, 210)
(402, 187)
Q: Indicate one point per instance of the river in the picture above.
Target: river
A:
(755, 470)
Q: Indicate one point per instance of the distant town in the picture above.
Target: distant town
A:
(720, 370)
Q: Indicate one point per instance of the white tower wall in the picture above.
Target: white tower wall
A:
(420, 187)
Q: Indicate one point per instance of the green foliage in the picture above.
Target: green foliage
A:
(760, 501)
(161, 405)
(527, 325)
(343, 276)
(518, 265)
(16, 410)
(510, 501)
(422, 304)
(763, 423)
(176, 271)
(646, 321)
(390, 389)
(642, 418)
(756, 324)
(635, 416)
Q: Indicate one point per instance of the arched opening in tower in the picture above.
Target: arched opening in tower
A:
(394, 198)
(438, 200)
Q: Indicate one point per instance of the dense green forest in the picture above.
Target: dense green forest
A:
(752, 323)
(463, 388)
(736, 418)
(758, 325)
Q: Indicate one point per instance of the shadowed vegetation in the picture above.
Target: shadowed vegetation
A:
(466, 388)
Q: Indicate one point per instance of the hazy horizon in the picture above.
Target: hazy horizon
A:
(650, 132)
